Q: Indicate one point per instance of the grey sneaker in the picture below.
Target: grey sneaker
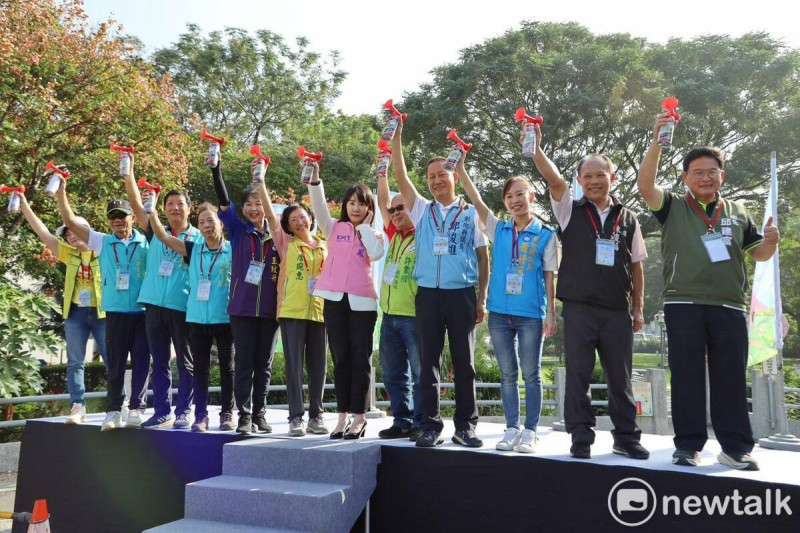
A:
(77, 414)
(134, 419)
(260, 424)
(686, 458)
(226, 422)
(510, 440)
(200, 425)
(113, 420)
(159, 422)
(296, 428)
(738, 460)
(182, 421)
(317, 426)
(528, 441)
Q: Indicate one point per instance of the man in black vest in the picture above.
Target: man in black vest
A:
(600, 280)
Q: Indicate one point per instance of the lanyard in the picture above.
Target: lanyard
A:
(408, 239)
(116, 257)
(85, 270)
(594, 224)
(216, 256)
(709, 222)
(453, 223)
(264, 251)
(515, 240)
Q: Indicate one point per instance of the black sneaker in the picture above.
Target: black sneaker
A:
(260, 424)
(581, 450)
(632, 449)
(394, 432)
(245, 426)
(685, 458)
(738, 460)
(414, 434)
(466, 437)
(429, 438)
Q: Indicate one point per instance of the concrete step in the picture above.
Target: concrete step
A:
(321, 461)
(277, 503)
(191, 525)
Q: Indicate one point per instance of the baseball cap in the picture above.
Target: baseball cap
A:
(119, 205)
(61, 229)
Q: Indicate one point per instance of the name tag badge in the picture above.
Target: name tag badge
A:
(440, 245)
(604, 253)
(513, 282)
(389, 272)
(204, 290)
(254, 272)
(84, 298)
(165, 268)
(312, 283)
(715, 247)
(123, 280)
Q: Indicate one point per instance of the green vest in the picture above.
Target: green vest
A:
(689, 274)
(73, 264)
(398, 297)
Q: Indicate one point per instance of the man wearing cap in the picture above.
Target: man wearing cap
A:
(81, 312)
(122, 256)
(165, 291)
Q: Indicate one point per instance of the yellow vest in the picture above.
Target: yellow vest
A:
(298, 264)
(74, 277)
(398, 298)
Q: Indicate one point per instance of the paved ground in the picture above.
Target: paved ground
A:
(8, 487)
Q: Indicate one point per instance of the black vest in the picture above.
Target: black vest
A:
(580, 279)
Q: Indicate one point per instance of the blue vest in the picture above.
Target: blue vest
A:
(459, 268)
(168, 291)
(533, 240)
(215, 310)
(131, 259)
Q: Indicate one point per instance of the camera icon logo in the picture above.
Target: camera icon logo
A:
(632, 502)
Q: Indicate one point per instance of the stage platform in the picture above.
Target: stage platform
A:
(133, 480)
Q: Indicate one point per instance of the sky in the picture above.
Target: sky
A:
(389, 48)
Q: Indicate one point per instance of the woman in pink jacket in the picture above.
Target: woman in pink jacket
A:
(351, 303)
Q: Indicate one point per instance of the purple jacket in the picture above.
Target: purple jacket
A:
(248, 244)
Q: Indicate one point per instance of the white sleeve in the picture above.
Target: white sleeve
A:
(420, 204)
(372, 241)
(490, 227)
(95, 241)
(320, 207)
(551, 255)
(480, 238)
(639, 251)
(563, 208)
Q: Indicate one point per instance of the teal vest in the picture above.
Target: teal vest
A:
(532, 241)
(170, 291)
(215, 310)
(459, 268)
(116, 257)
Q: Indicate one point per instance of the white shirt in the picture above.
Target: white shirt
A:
(563, 212)
(550, 257)
(96, 241)
(421, 204)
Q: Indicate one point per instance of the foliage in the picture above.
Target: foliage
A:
(66, 90)
(20, 317)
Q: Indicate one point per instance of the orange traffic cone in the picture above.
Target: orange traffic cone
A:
(40, 518)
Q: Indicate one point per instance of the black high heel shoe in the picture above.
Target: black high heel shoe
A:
(354, 435)
(339, 434)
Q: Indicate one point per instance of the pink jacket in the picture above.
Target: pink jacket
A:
(348, 267)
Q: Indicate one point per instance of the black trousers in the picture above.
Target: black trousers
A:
(588, 328)
(254, 340)
(201, 338)
(693, 331)
(453, 311)
(350, 337)
(125, 334)
(165, 326)
(304, 339)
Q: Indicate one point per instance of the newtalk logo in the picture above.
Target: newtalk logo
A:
(632, 502)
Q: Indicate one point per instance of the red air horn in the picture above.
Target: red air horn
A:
(395, 117)
(13, 200)
(384, 158)
(262, 161)
(5, 188)
(528, 128)
(55, 180)
(212, 158)
(308, 168)
(457, 152)
(152, 196)
(667, 131)
(124, 157)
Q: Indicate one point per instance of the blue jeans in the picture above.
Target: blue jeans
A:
(507, 331)
(81, 322)
(399, 354)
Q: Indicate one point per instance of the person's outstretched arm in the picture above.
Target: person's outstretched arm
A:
(404, 184)
(135, 198)
(472, 191)
(173, 243)
(558, 185)
(67, 215)
(646, 178)
(38, 226)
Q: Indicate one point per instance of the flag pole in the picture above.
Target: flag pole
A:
(783, 440)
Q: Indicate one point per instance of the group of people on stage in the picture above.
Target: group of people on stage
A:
(141, 291)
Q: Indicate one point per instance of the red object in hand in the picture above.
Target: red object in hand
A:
(521, 115)
(393, 110)
(383, 146)
(669, 105)
(117, 148)
(205, 135)
(149, 186)
(256, 151)
(5, 188)
(63, 173)
(451, 135)
(302, 154)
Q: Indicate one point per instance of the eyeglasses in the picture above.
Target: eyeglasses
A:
(399, 208)
(117, 215)
(711, 173)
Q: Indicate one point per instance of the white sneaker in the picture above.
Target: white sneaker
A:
(113, 421)
(296, 428)
(134, 419)
(125, 413)
(510, 440)
(528, 441)
(77, 414)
